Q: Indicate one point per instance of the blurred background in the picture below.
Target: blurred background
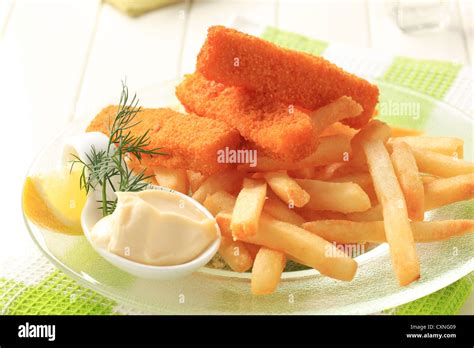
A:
(61, 58)
(64, 59)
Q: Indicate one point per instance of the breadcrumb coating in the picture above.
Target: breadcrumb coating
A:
(237, 59)
(191, 142)
(276, 130)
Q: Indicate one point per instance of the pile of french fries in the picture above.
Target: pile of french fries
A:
(368, 186)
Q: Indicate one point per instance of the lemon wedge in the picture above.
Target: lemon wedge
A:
(55, 200)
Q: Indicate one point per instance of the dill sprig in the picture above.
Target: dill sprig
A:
(109, 167)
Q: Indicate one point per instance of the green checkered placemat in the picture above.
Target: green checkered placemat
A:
(41, 289)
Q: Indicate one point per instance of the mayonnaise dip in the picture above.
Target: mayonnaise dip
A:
(155, 227)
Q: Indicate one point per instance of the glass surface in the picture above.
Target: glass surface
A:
(418, 15)
(212, 291)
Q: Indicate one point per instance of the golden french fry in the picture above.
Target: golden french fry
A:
(175, 179)
(444, 145)
(195, 180)
(397, 227)
(363, 179)
(305, 246)
(331, 171)
(325, 173)
(338, 129)
(287, 189)
(331, 149)
(375, 129)
(229, 181)
(445, 191)
(223, 201)
(427, 178)
(266, 271)
(219, 201)
(313, 215)
(248, 207)
(281, 211)
(403, 132)
(372, 214)
(438, 193)
(348, 232)
(341, 108)
(235, 254)
(441, 165)
(343, 197)
(409, 179)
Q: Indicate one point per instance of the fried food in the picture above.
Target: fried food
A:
(348, 232)
(237, 59)
(275, 207)
(266, 271)
(195, 180)
(441, 165)
(331, 149)
(409, 178)
(308, 248)
(276, 130)
(445, 191)
(438, 193)
(229, 181)
(323, 175)
(287, 189)
(235, 254)
(248, 207)
(448, 146)
(345, 197)
(338, 110)
(375, 129)
(175, 179)
(190, 142)
(364, 180)
(405, 260)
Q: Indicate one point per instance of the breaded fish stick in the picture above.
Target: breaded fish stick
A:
(278, 131)
(191, 142)
(237, 59)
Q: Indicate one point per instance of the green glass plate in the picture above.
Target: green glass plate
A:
(213, 291)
